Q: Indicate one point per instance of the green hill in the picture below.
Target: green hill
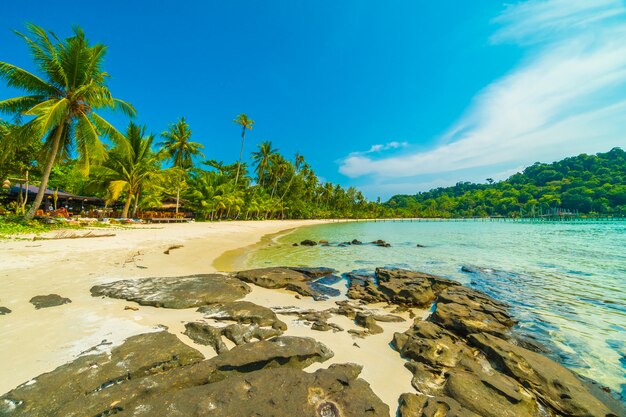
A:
(588, 184)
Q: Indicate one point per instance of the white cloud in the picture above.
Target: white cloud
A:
(383, 147)
(566, 97)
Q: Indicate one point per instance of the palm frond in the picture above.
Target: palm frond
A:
(20, 78)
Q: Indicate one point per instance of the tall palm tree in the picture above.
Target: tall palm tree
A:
(130, 165)
(261, 159)
(181, 150)
(62, 101)
(246, 124)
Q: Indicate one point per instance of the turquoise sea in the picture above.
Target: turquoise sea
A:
(565, 282)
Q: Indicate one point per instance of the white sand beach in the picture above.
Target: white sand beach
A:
(37, 341)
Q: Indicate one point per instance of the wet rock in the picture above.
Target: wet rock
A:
(318, 320)
(175, 292)
(490, 395)
(356, 242)
(295, 352)
(472, 269)
(243, 312)
(323, 242)
(308, 242)
(74, 389)
(419, 246)
(555, 385)
(50, 300)
(321, 291)
(466, 311)
(4, 310)
(240, 334)
(295, 244)
(333, 392)
(207, 335)
(368, 321)
(329, 279)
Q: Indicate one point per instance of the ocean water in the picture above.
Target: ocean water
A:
(565, 282)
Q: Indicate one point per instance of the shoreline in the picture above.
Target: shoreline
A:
(38, 341)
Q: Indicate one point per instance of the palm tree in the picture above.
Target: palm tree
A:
(63, 100)
(261, 159)
(245, 123)
(180, 149)
(178, 145)
(131, 164)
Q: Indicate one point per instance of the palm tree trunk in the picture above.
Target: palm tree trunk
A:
(127, 205)
(136, 204)
(243, 135)
(177, 197)
(56, 140)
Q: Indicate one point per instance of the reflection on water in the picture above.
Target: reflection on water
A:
(566, 283)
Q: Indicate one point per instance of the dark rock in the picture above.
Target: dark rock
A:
(471, 269)
(413, 405)
(295, 352)
(240, 334)
(207, 335)
(398, 286)
(175, 292)
(429, 343)
(388, 318)
(466, 311)
(329, 279)
(313, 272)
(332, 392)
(308, 242)
(490, 395)
(243, 312)
(273, 277)
(342, 245)
(4, 310)
(419, 246)
(51, 300)
(378, 242)
(295, 244)
(356, 242)
(555, 385)
(77, 388)
(321, 291)
(368, 321)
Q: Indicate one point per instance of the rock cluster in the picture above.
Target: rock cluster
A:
(157, 375)
(466, 362)
(398, 286)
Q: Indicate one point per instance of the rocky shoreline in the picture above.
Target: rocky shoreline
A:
(465, 358)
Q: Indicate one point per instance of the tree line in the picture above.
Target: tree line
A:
(58, 135)
(585, 184)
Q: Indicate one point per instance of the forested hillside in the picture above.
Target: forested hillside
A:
(583, 183)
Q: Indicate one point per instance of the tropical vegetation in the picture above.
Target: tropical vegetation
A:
(55, 138)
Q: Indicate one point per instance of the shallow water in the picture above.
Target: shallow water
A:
(565, 282)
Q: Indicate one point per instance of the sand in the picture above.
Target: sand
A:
(37, 341)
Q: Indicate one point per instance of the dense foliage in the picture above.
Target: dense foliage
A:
(583, 184)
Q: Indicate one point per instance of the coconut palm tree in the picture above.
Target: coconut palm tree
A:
(261, 159)
(62, 101)
(246, 123)
(181, 150)
(178, 145)
(131, 165)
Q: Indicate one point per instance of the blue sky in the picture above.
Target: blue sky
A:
(392, 97)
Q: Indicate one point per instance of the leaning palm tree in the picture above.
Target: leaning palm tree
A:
(181, 150)
(62, 101)
(130, 166)
(245, 123)
(262, 159)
